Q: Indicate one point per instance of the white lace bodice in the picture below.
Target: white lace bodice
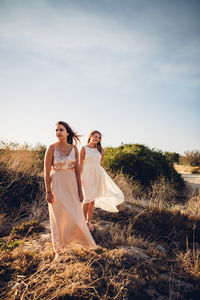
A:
(63, 161)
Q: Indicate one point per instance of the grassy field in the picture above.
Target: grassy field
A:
(149, 250)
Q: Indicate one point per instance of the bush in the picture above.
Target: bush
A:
(141, 164)
(38, 155)
(173, 157)
(192, 158)
(17, 188)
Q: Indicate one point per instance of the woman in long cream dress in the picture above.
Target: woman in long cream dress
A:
(64, 192)
(98, 187)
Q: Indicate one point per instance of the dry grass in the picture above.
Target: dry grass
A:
(126, 236)
(79, 274)
(20, 160)
(190, 261)
(183, 168)
(132, 189)
(145, 240)
(126, 268)
(168, 227)
(138, 247)
(162, 194)
(192, 207)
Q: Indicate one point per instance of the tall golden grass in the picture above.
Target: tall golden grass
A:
(23, 158)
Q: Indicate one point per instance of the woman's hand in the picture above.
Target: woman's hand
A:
(49, 198)
(80, 193)
(48, 161)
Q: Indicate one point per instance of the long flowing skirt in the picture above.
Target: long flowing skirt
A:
(68, 225)
(98, 186)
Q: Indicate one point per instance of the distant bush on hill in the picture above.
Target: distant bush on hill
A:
(141, 164)
(172, 156)
(191, 158)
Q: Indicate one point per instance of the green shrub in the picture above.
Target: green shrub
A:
(141, 164)
(173, 157)
(10, 246)
(38, 155)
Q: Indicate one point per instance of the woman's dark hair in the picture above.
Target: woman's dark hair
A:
(99, 147)
(72, 136)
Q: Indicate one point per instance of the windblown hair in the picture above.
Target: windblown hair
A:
(73, 137)
(99, 147)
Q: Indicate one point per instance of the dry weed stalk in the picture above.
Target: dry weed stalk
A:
(20, 160)
(162, 194)
(192, 207)
(132, 189)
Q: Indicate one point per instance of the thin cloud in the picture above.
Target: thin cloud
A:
(127, 58)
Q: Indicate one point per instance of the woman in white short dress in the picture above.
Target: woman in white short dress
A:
(99, 190)
(64, 192)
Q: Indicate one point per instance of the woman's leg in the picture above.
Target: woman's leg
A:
(90, 214)
(85, 210)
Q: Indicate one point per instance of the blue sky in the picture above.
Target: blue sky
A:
(130, 69)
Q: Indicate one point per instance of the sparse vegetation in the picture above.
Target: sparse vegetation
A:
(142, 249)
(26, 229)
(22, 186)
(9, 246)
(150, 249)
(19, 233)
(190, 260)
(191, 158)
(18, 189)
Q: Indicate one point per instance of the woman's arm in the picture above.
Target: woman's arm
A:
(77, 172)
(102, 155)
(48, 160)
(82, 157)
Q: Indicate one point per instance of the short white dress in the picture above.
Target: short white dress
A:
(97, 184)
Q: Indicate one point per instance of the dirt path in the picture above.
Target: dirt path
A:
(192, 180)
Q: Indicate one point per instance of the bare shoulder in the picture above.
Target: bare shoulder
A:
(102, 151)
(51, 148)
(49, 153)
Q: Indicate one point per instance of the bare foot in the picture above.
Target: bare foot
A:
(90, 226)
